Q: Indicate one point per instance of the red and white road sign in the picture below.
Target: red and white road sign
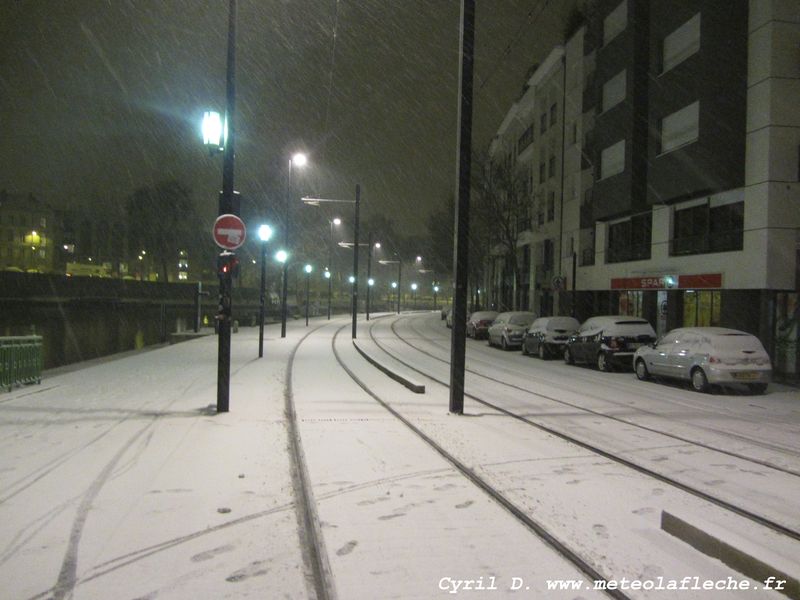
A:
(229, 232)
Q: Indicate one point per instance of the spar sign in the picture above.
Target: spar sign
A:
(229, 232)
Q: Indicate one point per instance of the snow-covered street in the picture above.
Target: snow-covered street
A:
(328, 479)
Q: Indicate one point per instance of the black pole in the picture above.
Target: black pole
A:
(226, 206)
(574, 277)
(461, 258)
(330, 270)
(308, 276)
(355, 260)
(369, 267)
(197, 306)
(263, 299)
(399, 282)
(286, 217)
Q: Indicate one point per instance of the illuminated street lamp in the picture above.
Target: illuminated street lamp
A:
(414, 294)
(435, 292)
(297, 160)
(214, 132)
(264, 234)
(307, 269)
(356, 203)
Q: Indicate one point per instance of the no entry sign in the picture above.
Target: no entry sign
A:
(229, 232)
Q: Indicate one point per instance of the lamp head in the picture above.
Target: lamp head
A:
(299, 159)
(337, 221)
(308, 268)
(264, 232)
(281, 256)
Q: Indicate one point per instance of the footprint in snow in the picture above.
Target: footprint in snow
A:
(600, 531)
(209, 554)
(254, 569)
(347, 548)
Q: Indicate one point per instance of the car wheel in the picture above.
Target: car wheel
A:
(602, 362)
(699, 381)
(503, 343)
(524, 348)
(568, 357)
(542, 352)
(641, 370)
(757, 388)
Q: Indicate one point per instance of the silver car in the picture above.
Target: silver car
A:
(509, 328)
(706, 356)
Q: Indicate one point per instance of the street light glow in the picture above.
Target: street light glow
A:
(264, 232)
(436, 288)
(352, 279)
(281, 256)
(394, 284)
(414, 286)
(308, 268)
(370, 281)
(337, 221)
(299, 159)
(419, 259)
(327, 274)
(212, 129)
(378, 245)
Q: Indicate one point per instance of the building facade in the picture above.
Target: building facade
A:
(681, 201)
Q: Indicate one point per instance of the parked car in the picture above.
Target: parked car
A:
(479, 322)
(608, 341)
(706, 356)
(508, 329)
(547, 335)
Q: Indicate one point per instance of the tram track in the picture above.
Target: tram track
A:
(722, 503)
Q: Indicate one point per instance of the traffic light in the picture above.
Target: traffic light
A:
(227, 265)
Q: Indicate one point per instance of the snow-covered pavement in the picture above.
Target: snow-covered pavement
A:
(118, 480)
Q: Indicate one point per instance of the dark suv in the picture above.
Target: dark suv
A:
(608, 341)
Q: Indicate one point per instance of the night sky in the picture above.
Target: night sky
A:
(100, 97)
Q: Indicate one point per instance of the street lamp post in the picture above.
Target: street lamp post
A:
(335, 221)
(264, 234)
(307, 269)
(369, 269)
(299, 159)
(435, 292)
(354, 277)
(414, 294)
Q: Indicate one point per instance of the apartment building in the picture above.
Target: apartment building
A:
(681, 201)
(26, 234)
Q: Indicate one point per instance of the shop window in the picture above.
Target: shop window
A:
(702, 308)
(630, 303)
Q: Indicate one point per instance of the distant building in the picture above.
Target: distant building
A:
(27, 234)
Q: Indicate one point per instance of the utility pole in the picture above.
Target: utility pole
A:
(461, 258)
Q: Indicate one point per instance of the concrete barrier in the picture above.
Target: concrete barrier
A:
(392, 369)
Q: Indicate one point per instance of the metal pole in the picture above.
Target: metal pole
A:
(198, 306)
(308, 276)
(355, 260)
(263, 299)
(369, 267)
(574, 277)
(330, 270)
(399, 282)
(226, 206)
(461, 259)
(287, 216)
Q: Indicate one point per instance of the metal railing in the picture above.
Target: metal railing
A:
(20, 360)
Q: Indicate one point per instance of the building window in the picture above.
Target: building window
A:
(542, 172)
(614, 90)
(615, 23)
(553, 114)
(681, 127)
(547, 255)
(612, 160)
(551, 206)
(704, 229)
(575, 132)
(543, 123)
(702, 308)
(552, 166)
(630, 239)
(681, 43)
(525, 140)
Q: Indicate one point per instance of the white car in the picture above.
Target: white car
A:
(706, 356)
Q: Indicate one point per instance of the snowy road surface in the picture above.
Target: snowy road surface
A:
(117, 480)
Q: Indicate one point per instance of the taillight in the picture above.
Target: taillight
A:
(714, 359)
(612, 343)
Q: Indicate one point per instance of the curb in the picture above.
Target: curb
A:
(743, 561)
(415, 387)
